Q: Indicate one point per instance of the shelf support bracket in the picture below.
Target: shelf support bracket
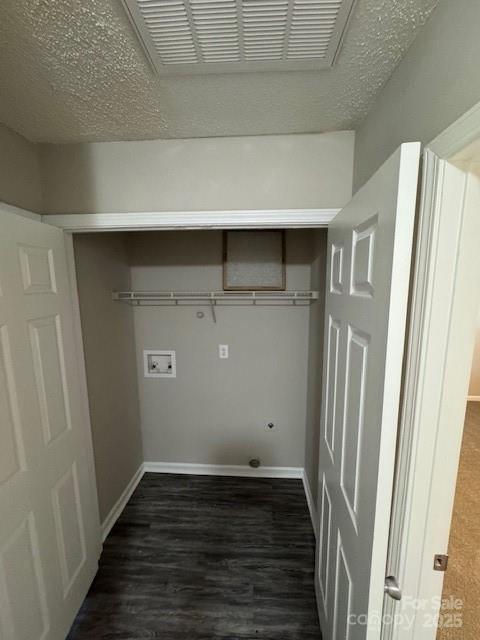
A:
(212, 307)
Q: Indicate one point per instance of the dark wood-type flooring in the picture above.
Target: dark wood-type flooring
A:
(204, 557)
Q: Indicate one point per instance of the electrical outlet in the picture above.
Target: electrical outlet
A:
(223, 351)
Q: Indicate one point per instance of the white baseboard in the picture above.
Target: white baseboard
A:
(207, 470)
(311, 504)
(119, 506)
(473, 398)
(223, 470)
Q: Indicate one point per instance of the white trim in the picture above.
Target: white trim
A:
(448, 358)
(164, 220)
(18, 211)
(413, 385)
(473, 399)
(223, 470)
(443, 318)
(120, 504)
(310, 502)
(458, 135)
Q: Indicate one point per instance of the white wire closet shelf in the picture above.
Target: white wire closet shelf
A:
(169, 298)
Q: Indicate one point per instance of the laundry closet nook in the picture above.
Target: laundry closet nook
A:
(240, 387)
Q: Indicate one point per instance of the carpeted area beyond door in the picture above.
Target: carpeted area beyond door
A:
(462, 578)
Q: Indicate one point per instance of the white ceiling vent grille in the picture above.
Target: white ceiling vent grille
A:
(221, 36)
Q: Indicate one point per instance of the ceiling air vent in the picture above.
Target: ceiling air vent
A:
(221, 36)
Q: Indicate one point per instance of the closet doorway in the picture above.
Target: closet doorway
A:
(234, 553)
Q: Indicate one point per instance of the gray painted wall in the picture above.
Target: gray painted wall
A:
(436, 82)
(251, 172)
(216, 411)
(315, 361)
(109, 342)
(20, 182)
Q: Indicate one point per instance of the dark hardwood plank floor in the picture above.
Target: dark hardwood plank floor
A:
(206, 558)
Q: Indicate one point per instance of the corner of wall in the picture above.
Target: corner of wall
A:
(434, 84)
(43, 149)
(102, 265)
(315, 364)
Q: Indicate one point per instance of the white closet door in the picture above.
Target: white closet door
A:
(49, 527)
(369, 253)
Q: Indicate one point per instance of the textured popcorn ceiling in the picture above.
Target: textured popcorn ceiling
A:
(72, 70)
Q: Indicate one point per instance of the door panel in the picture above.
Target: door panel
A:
(12, 457)
(24, 609)
(49, 526)
(46, 341)
(368, 267)
(324, 544)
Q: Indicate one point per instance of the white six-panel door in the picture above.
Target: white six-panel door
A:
(49, 529)
(368, 269)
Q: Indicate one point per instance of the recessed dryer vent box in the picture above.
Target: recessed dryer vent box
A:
(159, 363)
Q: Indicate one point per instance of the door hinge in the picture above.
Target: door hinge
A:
(440, 562)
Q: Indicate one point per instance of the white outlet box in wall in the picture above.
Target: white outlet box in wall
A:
(223, 351)
(159, 363)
